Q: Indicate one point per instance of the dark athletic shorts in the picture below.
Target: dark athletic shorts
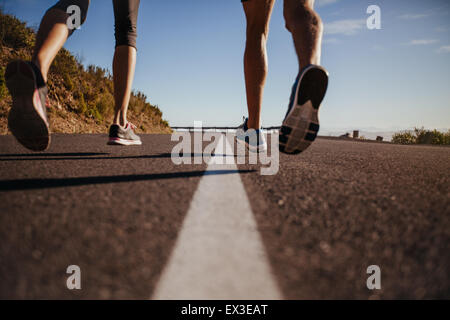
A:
(125, 14)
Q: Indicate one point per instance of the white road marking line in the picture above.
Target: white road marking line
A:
(219, 253)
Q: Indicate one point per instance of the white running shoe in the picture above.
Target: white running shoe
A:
(253, 139)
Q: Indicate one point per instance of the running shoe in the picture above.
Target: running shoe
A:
(301, 123)
(123, 136)
(253, 139)
(27, 119)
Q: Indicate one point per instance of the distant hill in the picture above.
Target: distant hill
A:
(81, 98)
(441, 136)
(368, 134)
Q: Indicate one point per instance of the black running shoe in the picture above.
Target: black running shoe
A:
(123, 136)
(27, 119)
(301, 123)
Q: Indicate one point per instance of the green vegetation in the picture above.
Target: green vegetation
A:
(422, 136)
(14, 33)
(3, 89)
(84, 95)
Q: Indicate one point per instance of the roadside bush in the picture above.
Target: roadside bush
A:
(93, 112)
(422, 136)
(14, 33)
(105, 104)
(2, 83)
(65, 64)
(82, 108)
(404, 137)
(68, 83)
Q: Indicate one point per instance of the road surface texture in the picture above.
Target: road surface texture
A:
(132, 220)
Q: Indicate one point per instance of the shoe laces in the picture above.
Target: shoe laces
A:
(244, 119)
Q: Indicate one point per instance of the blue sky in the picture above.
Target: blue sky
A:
(190, 60)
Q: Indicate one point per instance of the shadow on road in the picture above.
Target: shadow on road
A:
(78, 154)
(29, 184)
(88, 156)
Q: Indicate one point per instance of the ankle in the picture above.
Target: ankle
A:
(120, 122)
(252, 124)
(44, 73)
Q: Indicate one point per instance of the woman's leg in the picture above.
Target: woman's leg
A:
(126, 14)
(258, 13)
(53, 33)
(26, 81)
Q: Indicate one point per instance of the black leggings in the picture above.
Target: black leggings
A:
(125, 14)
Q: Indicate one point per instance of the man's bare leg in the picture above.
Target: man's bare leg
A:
(53, 33)
(124, 65)
(301, 123)
(306, 28)
(258, 13)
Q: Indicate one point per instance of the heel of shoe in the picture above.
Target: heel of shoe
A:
(20, 79)
(25, 119)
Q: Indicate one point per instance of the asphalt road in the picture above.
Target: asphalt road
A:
(323, 219)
